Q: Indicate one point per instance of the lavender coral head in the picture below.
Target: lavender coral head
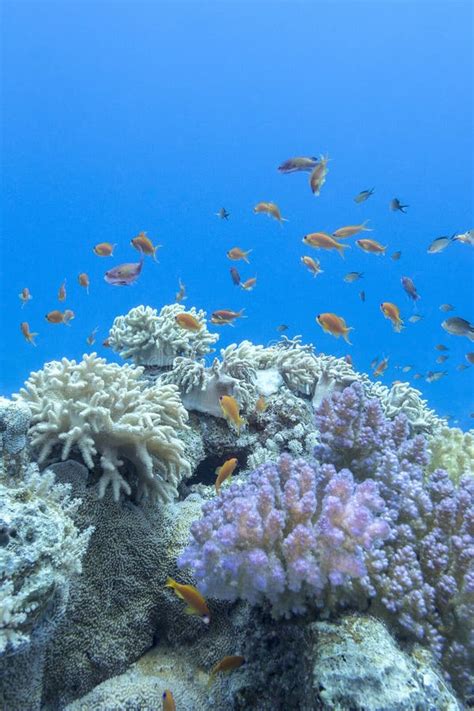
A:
(285, 535)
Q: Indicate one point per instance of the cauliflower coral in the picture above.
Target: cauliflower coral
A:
(105, 410)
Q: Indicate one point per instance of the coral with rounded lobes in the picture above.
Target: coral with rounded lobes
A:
(453, 450)
(422, 581)
(285, 535)
(106, 410)
(150, 338)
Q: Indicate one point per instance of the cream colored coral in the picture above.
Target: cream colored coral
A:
(453, 450)
(106, 411)
(151, 338)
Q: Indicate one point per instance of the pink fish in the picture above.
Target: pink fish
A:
(124, 274)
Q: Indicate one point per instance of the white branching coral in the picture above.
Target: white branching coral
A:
(105, 410)
(150, 338)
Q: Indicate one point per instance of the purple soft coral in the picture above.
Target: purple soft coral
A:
(291, 531)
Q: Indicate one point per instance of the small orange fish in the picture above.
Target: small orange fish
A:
(83, 280)
(381, 368)
(104, 249)
(249, 284)
(227, 315)
(181, 293)
(68, 316)
(231, 411)
(196, 604)
(312, 264)
(321, 240)
(370, 246)
(236, 254)
(318, 175)
(224, 472)
(25, 329)
(392, 312)
(335, 325)
(168, 701)
(55, 316)
(261, 404)
(188, 322)
(143, 244)
(62, 291)
(351, 230)
(226, 664)
(270, 209)
(24, 296)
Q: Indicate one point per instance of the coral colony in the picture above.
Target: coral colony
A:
(349, 496)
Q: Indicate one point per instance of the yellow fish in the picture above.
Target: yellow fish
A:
(335, 325)
(224, 472)
(371, 246)
(143, 244)
(236, 253)
(321, 240)
(312, 264)
(231, 411)
(188, 322)
(226, 664)
(168, 701)
(351, 230)
(196, 604)
(104, 249)
(271, 209)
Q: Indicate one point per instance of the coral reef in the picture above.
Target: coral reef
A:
(403, 399)
(150, 338)
(453, 450)
(285, 535)
(14, 424)
(106, 410)
(422, 581)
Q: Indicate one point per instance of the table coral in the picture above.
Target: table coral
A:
(150, 338)
(105, 410)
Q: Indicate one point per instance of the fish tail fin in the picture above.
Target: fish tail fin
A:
(366, 229)
(32, 338)
(241, 314)
(383, 251)
(283, 219)
(470, 334)
(170, 583)
(346, 334)
(246, 256)
(341, 249)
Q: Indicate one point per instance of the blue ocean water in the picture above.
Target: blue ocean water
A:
(123, 117)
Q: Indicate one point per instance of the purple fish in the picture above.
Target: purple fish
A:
(410, 288)
(124, 274)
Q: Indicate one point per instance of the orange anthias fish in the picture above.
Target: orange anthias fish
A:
(227, 315)
(24, 296)
(231, 411)
(261, 404)
(226, 664)
(168, 701)
(55, 316)
(392, 312)
(370, 246)
(321, 240)
(143, 244)
(188, 322)
(104, 249)
(318, 175)
(351, 230)
(249, 284)
(312, 264)
(224, 472)
(25, 329)
(83, 280)
(196, 604)
(335, 325)
(62, 291)
(270, 209)
(381, 367)
(236, 254)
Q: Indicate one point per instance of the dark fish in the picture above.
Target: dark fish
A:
(459, 327)
(282, 327)
(124, 274)
(294, 165)
(410, 288)
(395, 204)
(396, 256)
(442, 359)
(440, 347)
(353, 276)
(446, 307)
(461, 367)
(223, 214)
(364, 195)
(433, 376)
(438, 245)
(417, 376)
(362, 295)
(470, 358)
(235, 276)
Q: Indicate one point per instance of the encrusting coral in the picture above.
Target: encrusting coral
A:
(106, 410)
(150, 338)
